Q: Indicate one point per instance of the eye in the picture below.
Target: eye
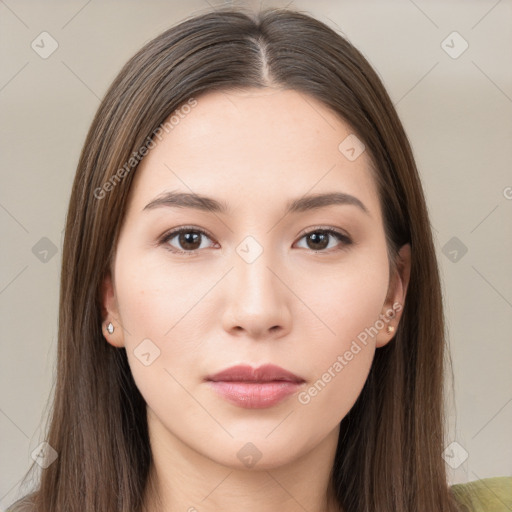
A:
(187, 238)
(318, 239)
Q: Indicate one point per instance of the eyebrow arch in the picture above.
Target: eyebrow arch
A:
(176, 199)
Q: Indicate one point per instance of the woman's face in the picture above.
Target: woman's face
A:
(264, 285)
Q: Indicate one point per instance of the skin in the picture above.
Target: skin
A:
(293, 306)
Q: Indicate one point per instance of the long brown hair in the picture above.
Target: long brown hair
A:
(388, 457)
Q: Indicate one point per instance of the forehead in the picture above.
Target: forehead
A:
(257, 146)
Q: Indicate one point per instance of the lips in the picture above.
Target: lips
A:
(246, 373)
(255, 388)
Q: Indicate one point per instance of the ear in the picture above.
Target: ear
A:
(395, 300)
(110, 313)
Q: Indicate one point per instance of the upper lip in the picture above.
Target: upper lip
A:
(265, 373)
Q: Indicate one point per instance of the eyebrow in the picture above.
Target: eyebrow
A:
(177, 199)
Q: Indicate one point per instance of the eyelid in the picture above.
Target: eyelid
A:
(175, 231)
(329, 229)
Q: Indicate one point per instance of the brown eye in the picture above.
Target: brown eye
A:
(319, 239)
(188, 240)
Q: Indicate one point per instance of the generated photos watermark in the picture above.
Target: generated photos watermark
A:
(137, 156)
(343, 360)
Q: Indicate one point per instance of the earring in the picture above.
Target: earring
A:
(390, 329)
(110, 328)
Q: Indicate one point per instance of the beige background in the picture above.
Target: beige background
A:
(456, 111)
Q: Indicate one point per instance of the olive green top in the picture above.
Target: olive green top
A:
(485, 495)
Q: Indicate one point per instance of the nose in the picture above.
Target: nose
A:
(258, 301)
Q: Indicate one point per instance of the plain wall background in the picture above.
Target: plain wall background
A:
(457, 113)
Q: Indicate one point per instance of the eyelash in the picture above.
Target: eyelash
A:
(346, 241)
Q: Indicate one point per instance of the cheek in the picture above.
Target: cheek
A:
(161, 345)
(156, 300)
(339, 364)
(349, 305)
(347, 298)
(340, 359)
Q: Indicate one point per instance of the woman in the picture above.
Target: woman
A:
(250, 308)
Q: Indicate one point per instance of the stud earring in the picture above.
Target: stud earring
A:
(390, 329)
(110, 328)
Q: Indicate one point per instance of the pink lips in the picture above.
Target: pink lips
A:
(255, 388)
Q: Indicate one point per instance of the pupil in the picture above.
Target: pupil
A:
(322, 238)
(187, 239)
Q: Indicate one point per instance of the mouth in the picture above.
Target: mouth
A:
(255, 388)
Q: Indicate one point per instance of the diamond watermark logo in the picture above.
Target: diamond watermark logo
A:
(44, 250)
(454, 249)
(249, 249)
(351, 147)
(455, 455)
(146, 352)
(44, 45)
(44, 455)
(454, 45)
(249, 455)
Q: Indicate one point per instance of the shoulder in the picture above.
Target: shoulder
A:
(25, 504)
(485, 495)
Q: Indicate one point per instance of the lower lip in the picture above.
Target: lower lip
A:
(255, 395)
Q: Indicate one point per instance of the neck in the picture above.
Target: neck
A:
(181, 479)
